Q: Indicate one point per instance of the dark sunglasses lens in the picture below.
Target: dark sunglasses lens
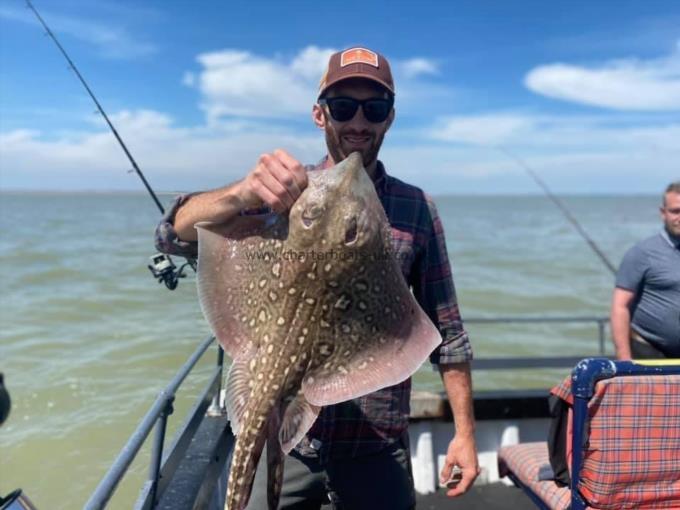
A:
(343, 109)
(376, 110)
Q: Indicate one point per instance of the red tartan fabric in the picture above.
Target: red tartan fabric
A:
(632, 457)
(563, 390)
(524, 460)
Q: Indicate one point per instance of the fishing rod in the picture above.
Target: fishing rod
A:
(162, 266)
(570, 217)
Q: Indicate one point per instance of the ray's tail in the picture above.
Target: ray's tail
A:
(247, 452)
(275, 459)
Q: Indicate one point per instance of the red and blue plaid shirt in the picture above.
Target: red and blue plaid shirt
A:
(369, 423)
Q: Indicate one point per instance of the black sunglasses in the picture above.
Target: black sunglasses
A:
(345, 108)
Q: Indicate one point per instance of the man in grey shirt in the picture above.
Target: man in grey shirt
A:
(645, 313)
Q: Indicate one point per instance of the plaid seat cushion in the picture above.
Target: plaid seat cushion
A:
(524, 460)
(632, 456)
(563, 390)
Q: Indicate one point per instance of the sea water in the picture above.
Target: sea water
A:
(88, 338)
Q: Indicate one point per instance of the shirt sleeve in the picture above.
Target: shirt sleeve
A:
(165, 236)
(434, 290)
(166, 239)
(632, 270)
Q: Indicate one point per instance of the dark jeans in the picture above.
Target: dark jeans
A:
(381, 481)
(642, 349)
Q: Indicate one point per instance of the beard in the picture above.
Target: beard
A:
(338, 151)
(673, 229)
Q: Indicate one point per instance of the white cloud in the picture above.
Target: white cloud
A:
(416, 66)
(601, 153)
(564, 132)
(239, 83)
(631, 84)
(578, 154)
(171, 157)
(17, 137)
(481, 129)
(483, 170)
(111, 41)
(236, 83)
(311, 62)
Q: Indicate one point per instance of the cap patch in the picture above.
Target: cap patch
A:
(358, 56)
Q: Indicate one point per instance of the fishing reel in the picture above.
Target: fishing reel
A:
(165, 271)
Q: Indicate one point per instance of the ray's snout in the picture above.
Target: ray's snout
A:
(353, 184)
(353, 166)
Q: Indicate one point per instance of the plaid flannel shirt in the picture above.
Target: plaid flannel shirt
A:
(369, 423)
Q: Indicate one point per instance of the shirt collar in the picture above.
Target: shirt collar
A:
(674, 241)
(379, 178)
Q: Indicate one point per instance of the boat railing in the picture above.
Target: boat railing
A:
(164, 466)
(157, 416)
(505, 363)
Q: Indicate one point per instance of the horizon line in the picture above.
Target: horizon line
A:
(537, 193)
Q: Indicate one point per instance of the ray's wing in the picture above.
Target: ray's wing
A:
(373, 334)
(232, 257)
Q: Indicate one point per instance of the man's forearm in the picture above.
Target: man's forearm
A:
(216, 206)
(458, 385)
(620, 326)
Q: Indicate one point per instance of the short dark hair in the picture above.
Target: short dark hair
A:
(673, 187)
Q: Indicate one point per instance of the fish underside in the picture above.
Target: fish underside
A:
(313, 310)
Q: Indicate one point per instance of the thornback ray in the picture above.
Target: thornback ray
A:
(312, 308)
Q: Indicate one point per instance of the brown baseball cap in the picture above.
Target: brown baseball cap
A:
(357, 62)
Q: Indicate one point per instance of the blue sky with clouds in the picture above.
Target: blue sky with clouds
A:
(587, 93)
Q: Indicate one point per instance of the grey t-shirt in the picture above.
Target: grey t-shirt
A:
(651, 269)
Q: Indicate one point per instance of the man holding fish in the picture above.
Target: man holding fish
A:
(349, 330)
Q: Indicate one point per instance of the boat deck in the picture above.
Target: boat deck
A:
(494, 496)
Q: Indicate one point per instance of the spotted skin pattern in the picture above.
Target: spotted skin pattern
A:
(313, 309)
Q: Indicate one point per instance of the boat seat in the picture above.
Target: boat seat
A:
(522, 463)
(628, 416)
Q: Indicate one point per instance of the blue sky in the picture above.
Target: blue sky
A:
(587, 93)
